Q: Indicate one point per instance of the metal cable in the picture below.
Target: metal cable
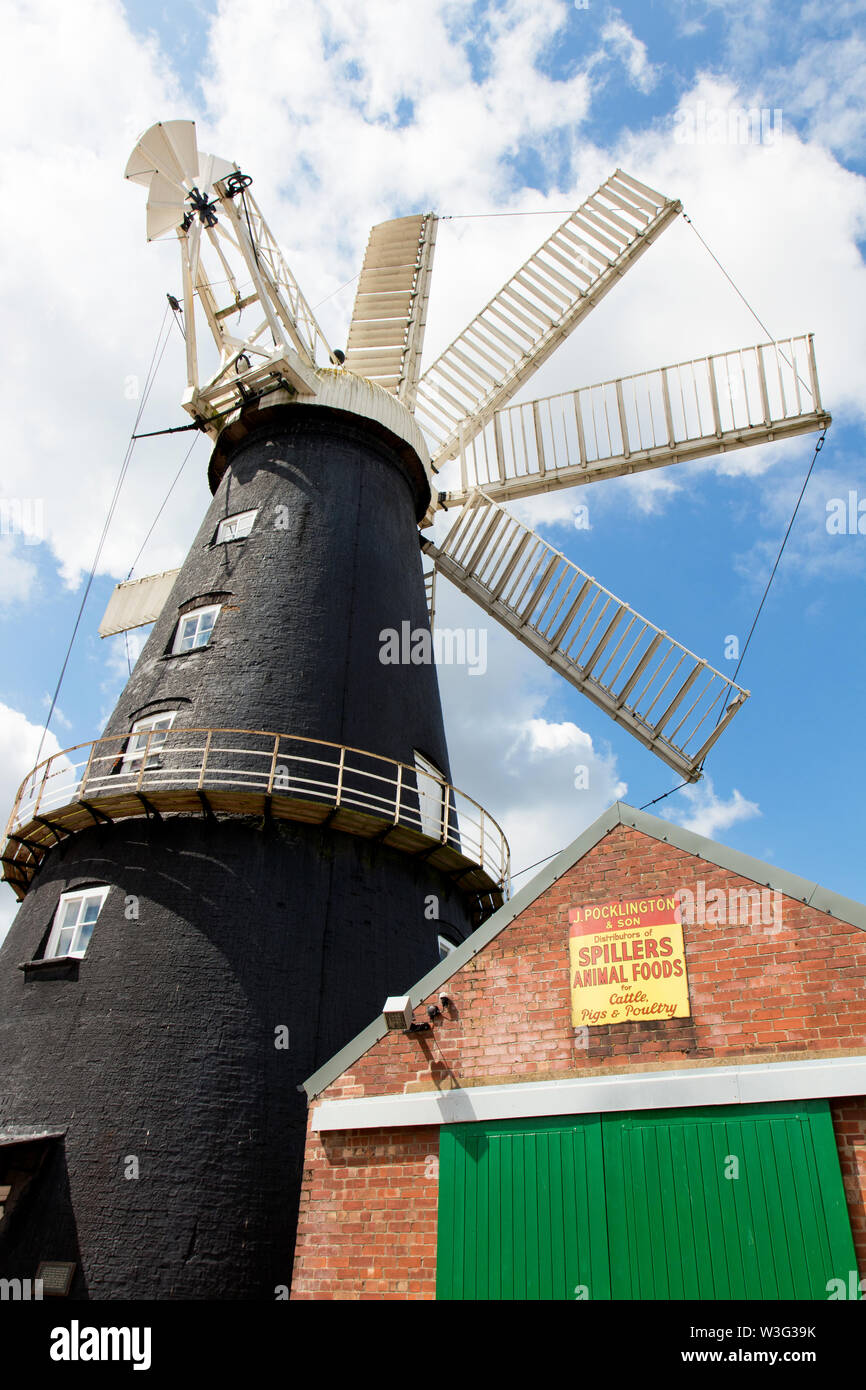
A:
(171, 488)
(536, 864)
(755, 315)
(155, 360)
(818, 447)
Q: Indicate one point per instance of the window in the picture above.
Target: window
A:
(195, 628)
(73, 921)
(445, 947)
(235, 528)
(157, 726)
(431, 795)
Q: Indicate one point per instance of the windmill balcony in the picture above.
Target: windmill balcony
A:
(242, 772)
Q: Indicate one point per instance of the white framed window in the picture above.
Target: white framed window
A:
(74, 920)
(235, 528)
(155, 725)
(431, 795)
(445, 947)
(195, 628)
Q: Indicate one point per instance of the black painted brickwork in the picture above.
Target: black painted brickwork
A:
(163, 1046)
(296, 646)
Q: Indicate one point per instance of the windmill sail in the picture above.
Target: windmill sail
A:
(706, 406)
(538, 307)
(168, 162)
(136, 602)
(266, 337)
(169, 148)
(268, 340)
(670, 699)
(387, 329)
(430, 592)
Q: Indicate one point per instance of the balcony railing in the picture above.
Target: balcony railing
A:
(253, 772)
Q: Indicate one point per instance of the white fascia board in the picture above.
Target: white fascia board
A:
(587, 1095)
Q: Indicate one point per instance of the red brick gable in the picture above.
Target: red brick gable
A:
(787, 990)
(791, 989)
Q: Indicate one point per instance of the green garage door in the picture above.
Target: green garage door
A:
(721, 1202)
(519, 1210)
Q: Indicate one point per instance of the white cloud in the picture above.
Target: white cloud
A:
(812, 551)
(632, 52)
(784, 220)
(843, 10)
(709, 814)
(382, 113)
(824, 87)
(541, 735)
(17, 573)
(81, 308)
(749, 26)
(120, 657)
(19, 743)
(541, 778)
(57, 716)
(827, 88)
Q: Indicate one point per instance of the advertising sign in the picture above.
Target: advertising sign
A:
(628, 961)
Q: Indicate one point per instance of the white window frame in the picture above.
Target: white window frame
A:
(200, 614)
(431, 795)
(445, 945)
(236, 527)
(137, 741)
(78, 896)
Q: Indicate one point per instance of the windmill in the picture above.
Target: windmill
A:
(672, 701)
(265, 843)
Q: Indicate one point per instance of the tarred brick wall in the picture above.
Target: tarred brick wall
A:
(786, 990)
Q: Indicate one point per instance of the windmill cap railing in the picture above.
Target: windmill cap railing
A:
(240, 771)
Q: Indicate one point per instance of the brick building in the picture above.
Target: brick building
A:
(513, 1151)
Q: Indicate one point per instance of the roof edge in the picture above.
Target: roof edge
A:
(847, 910)
(805, 890)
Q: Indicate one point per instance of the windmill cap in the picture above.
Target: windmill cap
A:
(347, 396)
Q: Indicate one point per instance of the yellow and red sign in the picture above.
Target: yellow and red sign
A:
(628, 962)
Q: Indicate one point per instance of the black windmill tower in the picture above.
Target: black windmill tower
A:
(265, 843)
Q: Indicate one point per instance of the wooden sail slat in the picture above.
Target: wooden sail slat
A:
(516, 577)
(536, 311)
(391, 300)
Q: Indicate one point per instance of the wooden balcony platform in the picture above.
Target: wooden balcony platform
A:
(213, 772)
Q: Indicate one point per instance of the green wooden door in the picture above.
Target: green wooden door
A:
(519, 1210)
(721, 1202)
(725, 1202)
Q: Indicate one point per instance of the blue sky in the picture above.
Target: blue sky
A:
(345, 118)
